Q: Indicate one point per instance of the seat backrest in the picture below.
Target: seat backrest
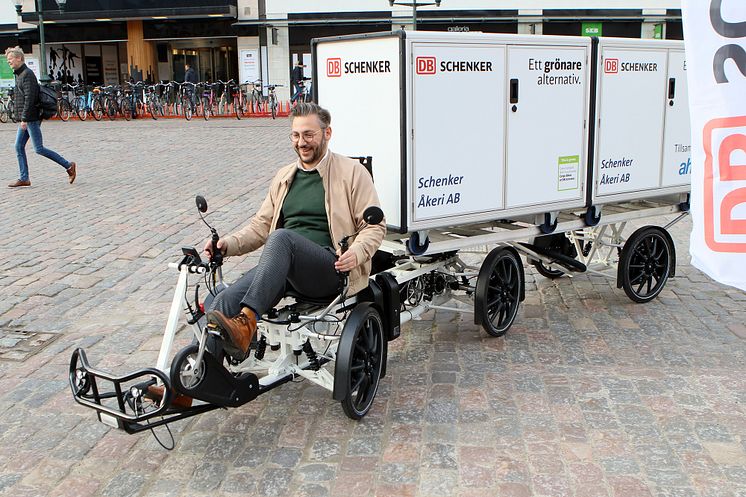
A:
(367, 163)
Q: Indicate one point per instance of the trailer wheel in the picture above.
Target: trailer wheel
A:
(414, 246)
(498, 291)
(360, 357)
(645, 263)
(548, 226)
(591, 216)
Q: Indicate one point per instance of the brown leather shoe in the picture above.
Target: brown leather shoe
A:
(18, 183)
(155, 393)
(72, 172)
(240, 328)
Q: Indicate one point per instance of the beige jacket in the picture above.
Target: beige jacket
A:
(348, 190)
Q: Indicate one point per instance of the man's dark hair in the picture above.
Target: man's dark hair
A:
(309, 108)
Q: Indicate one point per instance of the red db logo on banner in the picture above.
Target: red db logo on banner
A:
(725, 193)
(425, 65)
(611, 66)
(334, 68)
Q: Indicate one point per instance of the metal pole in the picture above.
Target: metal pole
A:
(414, 16)
(43, 57)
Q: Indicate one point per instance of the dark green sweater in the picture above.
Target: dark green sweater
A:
(303, 210)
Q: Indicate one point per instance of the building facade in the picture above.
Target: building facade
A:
(110, 41)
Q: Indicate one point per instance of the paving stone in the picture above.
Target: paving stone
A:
(208, 476)
(124, 485)
(274, 483)
(587, 394)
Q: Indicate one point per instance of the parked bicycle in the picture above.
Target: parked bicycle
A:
(272, 99)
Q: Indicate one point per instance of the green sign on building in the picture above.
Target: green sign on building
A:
(592, 29)
(658, 31)
(6, 74)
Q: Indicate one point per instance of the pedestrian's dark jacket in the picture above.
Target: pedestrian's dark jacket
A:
(190, 76)
(296, 74)
(26, 95)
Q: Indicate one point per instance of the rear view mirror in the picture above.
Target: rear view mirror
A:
(373, 215)
(201, 203)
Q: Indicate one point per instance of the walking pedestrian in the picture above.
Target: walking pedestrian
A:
(190, 76)
(26, 104)
(296, 76)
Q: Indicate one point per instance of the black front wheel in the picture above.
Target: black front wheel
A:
(499, 291)
(360, 358)
(645, 263)
(186, 373)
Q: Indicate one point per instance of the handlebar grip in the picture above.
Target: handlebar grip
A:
(217, 255)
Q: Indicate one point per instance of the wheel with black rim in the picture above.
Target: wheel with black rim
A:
(645, 263)
(186, 108)
(98, 109)
(110, 108)
(237, 107)
(3, 113)
(153, 110)
(126, 109)
(558, 243)
(206, 108)
(81, 110)
(360, 358)
(186, 373)
(498, 292)
(64, 109)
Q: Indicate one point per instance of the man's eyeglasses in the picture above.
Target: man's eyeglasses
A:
(307, 135)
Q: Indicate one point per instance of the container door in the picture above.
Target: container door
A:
(677, 157)
(458, 128)
(358, 81)
(546, 125)
(632, 86)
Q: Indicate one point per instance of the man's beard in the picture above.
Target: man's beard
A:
(318, 152)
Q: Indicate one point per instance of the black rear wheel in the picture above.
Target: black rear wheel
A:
(645, 263)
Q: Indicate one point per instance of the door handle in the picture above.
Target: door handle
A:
(514, 91)
(671, 90)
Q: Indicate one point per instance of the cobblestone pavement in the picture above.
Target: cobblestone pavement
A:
(587, 395)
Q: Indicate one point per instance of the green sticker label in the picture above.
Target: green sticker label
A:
(567, 172)
(592, 29)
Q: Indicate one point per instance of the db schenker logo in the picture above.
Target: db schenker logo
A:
(334, 67)
(725, 174)
(425, 65)
(611, 66)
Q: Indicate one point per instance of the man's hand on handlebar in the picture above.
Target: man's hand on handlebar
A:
(346, 261)
(208, 247)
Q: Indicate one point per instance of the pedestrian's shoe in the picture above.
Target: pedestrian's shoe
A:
(155, 393)
(240, 329)
(18, 183)
(71, 172)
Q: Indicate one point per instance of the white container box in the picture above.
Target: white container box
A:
(643, 138)
(462, 127)
(473, 127)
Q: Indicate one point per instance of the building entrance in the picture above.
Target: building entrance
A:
(211, 63)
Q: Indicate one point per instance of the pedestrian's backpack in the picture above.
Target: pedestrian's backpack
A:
(47, 102)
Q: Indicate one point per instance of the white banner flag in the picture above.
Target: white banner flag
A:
(715, 39)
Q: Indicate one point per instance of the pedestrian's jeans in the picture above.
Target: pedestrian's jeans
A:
(33, 129)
